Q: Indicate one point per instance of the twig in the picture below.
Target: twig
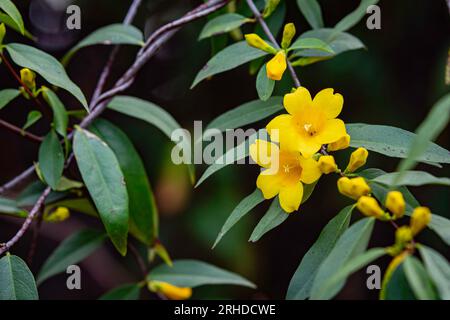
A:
(34, 241)
(272, 39)
(17, 180)
(21, 132)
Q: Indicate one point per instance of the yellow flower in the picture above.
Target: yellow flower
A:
(420, 218)
(340, 144)
(288, 34)
(370, 207)
(255, 41)
(403, 235)
(60, 214)
(276, 66)
(28, 78)
(353, 188)
(284, 175)
(327, 164)
(170, 291)
(395, 203)
(310, 123)
(357, 159)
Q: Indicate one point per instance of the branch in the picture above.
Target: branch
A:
(272, 39)
(21, 132)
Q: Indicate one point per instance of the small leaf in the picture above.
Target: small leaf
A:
(17, 281)
(192, 273)
(105, 182)
(354, 17)
(7, 95)
(418, 279)
(312, 44)
(108, 35)
(397, 288)
(11, 207)
(13, 13)
(439, 270)
(60, 116)
(312, 12)
(65, 184)
(227, 59)
(264, 85)
(32, 118)
(7, 20)
(45, 65)
(272, 219)
(51, 159)
(244, 207)
(411, 178)
(222, 24)
(124, 292)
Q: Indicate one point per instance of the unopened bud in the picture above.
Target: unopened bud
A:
(357, 159)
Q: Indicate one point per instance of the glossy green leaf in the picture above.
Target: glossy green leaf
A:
(60, 116)
(11, 10)
(411, 178)
(142, 208)
(271, 219)
(32, 117)
(354, 17)
(51, 159)
(312, 12)
(72, 250)
(108, 35)
(193, 273)
(105, 182)
(301, 282)
(244, 207)
(439, 270)
(351, 244)
(418, 279)
(392, 142)
(7, 20)
(227, 59)
(124, 292)
(46, 66)
(7, 95)
(221, 24)
(311, 43)
(429, 129)
(264, 85)
(65, 184)
(398, 287)
(17, 281)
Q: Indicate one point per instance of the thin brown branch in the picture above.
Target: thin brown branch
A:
(20, 131)
(35, 239)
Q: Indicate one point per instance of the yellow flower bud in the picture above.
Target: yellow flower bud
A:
(420, 218)
(288, 35)
(327, 164)
(255, 41)
(403, 235)
(353, 188)
(60, 214)
(340, 144)
(357, 159)
(170, 291)
(28, 78)
(271, 5)
(395, 203)
(370, 207)
(2, 32)
(276, 66)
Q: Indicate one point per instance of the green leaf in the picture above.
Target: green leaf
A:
(397, 287)
(392, 142)
(354, 17)
(192, 273)
(312, 12)
(105, 182)
(45, 65)
(7, 95)
(82, 205)
(351, 244)
(65, 184)
(418, 279)
(11, 207)
(264, 85)
(60, 116)
(72, 250)
(439, 270)
(301, 282)
(124, 292)
(411, 178)
(244, 207)
(311, 43)
(33, 191)
(221, 24)
(32, 118)
(142, 208)
(13, 13)
(17, 281)
(155, 116)
(51, 159)
(7, 20)
(429, 129)
(271, 219)
(108, 35)
(246, 113)
(227, 59)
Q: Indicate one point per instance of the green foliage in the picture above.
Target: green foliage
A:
(411, 178)
(439, 270)
(124, 292)
(7, 20)
(13, 13)
(60, 116)
(264, 85)
(105, 181)
(312, 44)
(17, 281)
(32, 117)
(271, 219)
(81, 205)
(7, 95)
(312, 12)
(222, 24)
(398, 287)
(11, 207)
(51, 159)
(354, 17)
(418, 279)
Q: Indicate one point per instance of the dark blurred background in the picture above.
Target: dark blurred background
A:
(394, 82)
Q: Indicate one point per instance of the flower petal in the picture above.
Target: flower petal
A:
(279, 123)
(262, 151)
(308, 146)
(330, 104)
(310, 170)
(291, 197)
(333, 130)
(269, 184)
(297, 101)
